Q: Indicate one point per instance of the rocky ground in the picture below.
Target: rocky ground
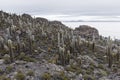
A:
(38, 49)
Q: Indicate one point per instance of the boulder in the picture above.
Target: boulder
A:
(1, 61)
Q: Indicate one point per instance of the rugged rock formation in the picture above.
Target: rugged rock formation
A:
(86, 31)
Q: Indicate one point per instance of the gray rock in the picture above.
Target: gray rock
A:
(79, 77)
(90, 60)
(20, 62)
(1, 61)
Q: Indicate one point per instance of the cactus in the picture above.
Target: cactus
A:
(30, 40)
(8, 32)
(12, 30)
(10, 45)
(20, 23)
(61, 55)
(118, 53)
(23, 46)
(73, 45)
(18, 44)
(93, 43)
(68, 57)
(109, 51)
(79, 40)
(1, 42)
(72, 34)
(58, 39)
(62, 39)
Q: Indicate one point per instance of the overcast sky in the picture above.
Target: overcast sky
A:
(78, 7)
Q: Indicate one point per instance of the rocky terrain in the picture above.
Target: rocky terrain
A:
(38, 49)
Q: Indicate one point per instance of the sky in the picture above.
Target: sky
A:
(72, 7)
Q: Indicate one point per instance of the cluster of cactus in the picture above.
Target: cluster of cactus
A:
(112, 55)
(31, 39)
(68, 46)
(13, 39)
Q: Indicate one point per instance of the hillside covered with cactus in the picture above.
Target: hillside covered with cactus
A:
(39, 49)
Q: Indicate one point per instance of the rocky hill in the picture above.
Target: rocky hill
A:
(87, 32)
(38, 49)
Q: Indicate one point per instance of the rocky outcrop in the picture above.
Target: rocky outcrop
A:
(86, 31)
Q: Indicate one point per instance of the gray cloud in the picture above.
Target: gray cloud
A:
(62, 6)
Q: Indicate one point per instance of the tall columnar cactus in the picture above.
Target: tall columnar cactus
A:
(68, 57)
(118, 53)
(12, 30)
(93, 43)
(8, 32)
(79, 40)
(73, 45)
(20, 23)
(10, 45)
(42, 30)
(23, 46)
(72, 34)
(30, 40)
(1, 42)
(109, 52)
(58, 39)
(18, 44)
(61, 36)
(78, 44)
(61, 55)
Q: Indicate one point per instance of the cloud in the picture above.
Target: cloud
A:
(60, 6)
